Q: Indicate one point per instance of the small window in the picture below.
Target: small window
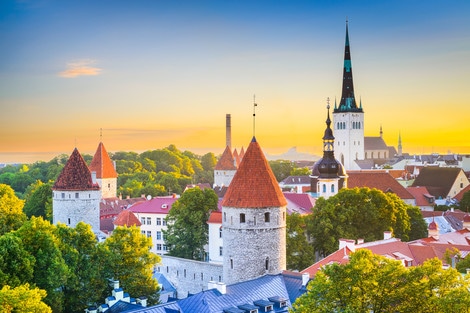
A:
(165, 248)
(266, 264)
(225, 217)
(159, 247)
(164, 222)
(242, 218)
(220, 232)
(149, 221)
(231, 264)
(159, 235)
(267, 217)
(231, 220)
(184, 273)
(142, 220)
(332, 188)
(149, 233)
(221, 251)
(202, 276)
(69, 221)
(109, 186)
(159, 221)
(167, 270)
(76, 195)
(324, 188)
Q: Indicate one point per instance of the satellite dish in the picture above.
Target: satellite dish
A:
(149, 197)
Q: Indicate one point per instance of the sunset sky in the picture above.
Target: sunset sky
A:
(155, 73)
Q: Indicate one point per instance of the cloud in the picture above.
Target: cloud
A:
(80, 68)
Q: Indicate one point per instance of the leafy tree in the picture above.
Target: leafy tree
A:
(463, 264)
(464, 203)
(16, 264)
(300, 171)
(187, 230)
(357, 213)
(281, 169)
(11, 210)
(131, 262)
(38, 200)
(23, 299)
(50, 269)
(208, 161)
(88, 272)
(373, 283)
(419, 228)
(299, 252)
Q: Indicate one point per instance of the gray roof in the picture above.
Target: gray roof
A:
(374, 143)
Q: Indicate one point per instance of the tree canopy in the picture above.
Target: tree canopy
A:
(23, 299)
(299, 253)
(187, 230)
(373, 283)
(359, 213)
(11, 210)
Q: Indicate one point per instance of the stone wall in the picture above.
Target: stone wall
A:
(189, 276)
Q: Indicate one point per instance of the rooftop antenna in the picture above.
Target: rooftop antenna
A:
(254, 113)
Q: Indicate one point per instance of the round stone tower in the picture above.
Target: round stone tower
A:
(75, 195)
(253, 221)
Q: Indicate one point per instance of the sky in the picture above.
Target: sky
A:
(141, 75)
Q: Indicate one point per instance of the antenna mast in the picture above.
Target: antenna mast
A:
(254, 114)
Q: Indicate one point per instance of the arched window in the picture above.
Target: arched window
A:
(324, 187)
(332, 188)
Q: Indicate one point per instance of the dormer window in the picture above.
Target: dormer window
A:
(264, 306)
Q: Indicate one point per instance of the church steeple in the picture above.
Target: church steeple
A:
(328, 166)
(348, 101)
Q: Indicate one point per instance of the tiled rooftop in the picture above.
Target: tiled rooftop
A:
(226, 161)
(102, 164)
(254, 184)
(75, 175)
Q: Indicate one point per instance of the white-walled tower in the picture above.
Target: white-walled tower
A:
(76, 195)
(253, 220)
(106, 174)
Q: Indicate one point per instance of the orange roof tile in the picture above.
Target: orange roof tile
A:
(215, 218)
(377, 179)
(127, 218)
(340, 256)
(75, 175)
(102, 164)
(254, 184)
(226, 161)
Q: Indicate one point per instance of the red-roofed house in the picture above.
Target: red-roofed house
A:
(127, 218)
(380, 180)
(442, 182)
(151, 214)
(424, 200)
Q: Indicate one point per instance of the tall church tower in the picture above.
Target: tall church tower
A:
(75, 196)
(103, 168)
(348, 118)
(253, 220)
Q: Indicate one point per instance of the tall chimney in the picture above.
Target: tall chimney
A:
(228, 131)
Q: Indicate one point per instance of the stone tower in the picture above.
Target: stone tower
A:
(75, 196)
(106, 175)
(348, 118)
(328, 175)
(253, 220)
(225, 169)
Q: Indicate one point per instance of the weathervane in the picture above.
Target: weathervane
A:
(101, 134)
(254, 114)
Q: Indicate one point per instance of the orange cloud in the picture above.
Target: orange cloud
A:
(80, 68)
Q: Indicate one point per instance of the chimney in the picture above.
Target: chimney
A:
(228, 131)
(211, 284)
(142, 301)
(360, 241)
(222, 288)
(387, 235)
(351, 244)
(305, 278)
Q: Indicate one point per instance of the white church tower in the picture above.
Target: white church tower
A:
(253, 221)
(348, 119)
(75, 195)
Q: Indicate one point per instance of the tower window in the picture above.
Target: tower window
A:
(221, 250)
(76, 195)
(242, 217)
(220, 232)
(69, 221)
(63, 195)
(266, 264)
(225, 216)
(231, 264)
(267, 217)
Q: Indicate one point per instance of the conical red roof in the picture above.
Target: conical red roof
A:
(254, 184)
(75, 175)
(226, 161)
(102, 164)
(127, 218)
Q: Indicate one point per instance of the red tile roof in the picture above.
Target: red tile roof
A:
(102, 164)
(127, 218)
(215, 218)
(421, 195)
(157, 205)
(459, 196)
(339, 257)
(75, 175)
(226, 161)
(254, 184)
(377, 179)
(438, 180)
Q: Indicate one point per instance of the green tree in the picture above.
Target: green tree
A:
(464, 203)
(50, 269)
(16, 264)
(418, 226)
(23, 299)
(131, 262)
(88, 269)
(359, 213)
(38, 200)
(299, 252)
(281, 169)
(463, 264)
(300, 171)
(208, 161)
(11, 210)
(373, 283)
(187, 231)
